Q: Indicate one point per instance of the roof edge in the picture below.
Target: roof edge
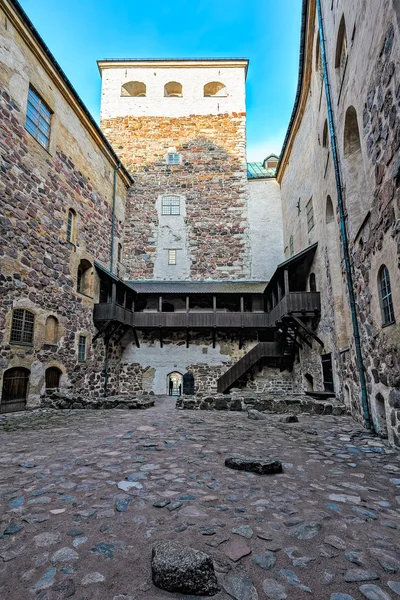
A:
(168, 62)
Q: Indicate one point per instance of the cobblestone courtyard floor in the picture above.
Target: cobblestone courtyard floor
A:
(78, 520)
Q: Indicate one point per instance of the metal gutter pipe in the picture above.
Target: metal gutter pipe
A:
(113, 216)
(343, 231)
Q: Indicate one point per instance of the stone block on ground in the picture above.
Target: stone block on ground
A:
(256, 415)
(185, 570)
(289, 419)
(262, 465)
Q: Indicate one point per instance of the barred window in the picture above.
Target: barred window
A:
(291, 246)
(172, 257)
(82, 348)
(38, 118)
(171, 205)
(23, 322)
(310, 215)
(385, 293)
(173, 159)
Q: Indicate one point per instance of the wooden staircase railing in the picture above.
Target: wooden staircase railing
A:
(261, 350)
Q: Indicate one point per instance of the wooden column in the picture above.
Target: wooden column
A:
(286, 281)
(187, 303)
(160, 304)
(113, 292)
(215, 304)
(241, 304)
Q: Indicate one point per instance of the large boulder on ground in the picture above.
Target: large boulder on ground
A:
(256, 415)
(184, 570)
(262, 465)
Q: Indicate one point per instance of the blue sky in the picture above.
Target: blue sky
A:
(79, 32)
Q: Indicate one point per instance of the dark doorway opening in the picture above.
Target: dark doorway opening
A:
(327, 372)
(53, 375)
(175, 384)
(188, 384)
(15, 389)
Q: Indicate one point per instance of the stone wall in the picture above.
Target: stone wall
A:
(366, 86)
(37, 188)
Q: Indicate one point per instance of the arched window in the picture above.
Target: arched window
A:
(71, 226)
(215, 88)
(351, 137)
(318, 59)
(330, 215)
(385, 296)
(51, 334)
(313, 283)
(341, 50)
(291, 246)
(84, 278)
(119, 252)
(173, 89)
(23, 322)
(309, 382)
(325, 135)
(15, 389)
(170, 205)
(135, 89)
(52, 376)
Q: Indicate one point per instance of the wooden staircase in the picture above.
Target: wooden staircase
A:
(261, 350)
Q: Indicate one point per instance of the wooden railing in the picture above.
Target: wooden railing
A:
(297, 302)
(261, 350)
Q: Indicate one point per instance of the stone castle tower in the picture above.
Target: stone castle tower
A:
(179, 126)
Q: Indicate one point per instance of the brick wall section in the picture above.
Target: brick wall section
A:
(211, 177)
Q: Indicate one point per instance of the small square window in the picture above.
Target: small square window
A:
(172, 257)
(173, 158)
(38, 118)
(171, 205)
(310, 215)
(82, 348)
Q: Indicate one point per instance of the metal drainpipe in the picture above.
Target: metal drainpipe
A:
(113, 216)
(343, 231)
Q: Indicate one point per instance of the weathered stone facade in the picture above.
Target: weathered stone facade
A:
(363, 73)
(38, 188)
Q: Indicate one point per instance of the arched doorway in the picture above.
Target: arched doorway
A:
(188, 384)
(53, 375)
(175, 383)
(15, 389)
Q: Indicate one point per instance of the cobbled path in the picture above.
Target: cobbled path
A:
(84, 495)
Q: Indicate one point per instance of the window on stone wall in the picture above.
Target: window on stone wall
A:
(22, 328)
(51, 332)
(71, 226)
(119, 252)
(341, 50)
(291, 246)
(172, 257)
(325, 134)
(330, 215)
(214, 88)
(313, 283)
(173, 89)
(136, 89)
(351, 137)
(82, 348)
(84, 278)
(173, 158)
(171, 205)
(310, 215)
(385, 294)
(318, 59)
(38, 117)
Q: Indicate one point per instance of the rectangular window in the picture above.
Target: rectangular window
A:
(310, 215)
(172, 257)
(173, 159)
(171, 205)
(82, 348)
(22, 326)
(38, 118)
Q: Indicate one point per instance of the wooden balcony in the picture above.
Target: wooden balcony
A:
(305, 304)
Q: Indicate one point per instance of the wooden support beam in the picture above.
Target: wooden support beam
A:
(100, 331)
(304, 339)
(215, 304)
(187, 303)
(113, 292)
(293, 338)
(241, 304)
(161, 342)
(135, 335)
(286, 281)
(160, 304)
(187, 338)
(214, 337)
(241, 339)
(308, 330)
(121, 335)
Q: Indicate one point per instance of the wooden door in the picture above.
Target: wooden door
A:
(53, 375)
(15, 389)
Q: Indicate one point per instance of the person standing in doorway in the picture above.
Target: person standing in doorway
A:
(171, 387)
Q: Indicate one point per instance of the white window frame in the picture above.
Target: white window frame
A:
(171, 205)
(172, 256)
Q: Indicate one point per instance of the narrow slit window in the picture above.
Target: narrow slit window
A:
(71, 226)
(310, 215)
(171, 205)
(38, 118)
(385, 292)
(291, 246)
(172, 257)
(82, 348)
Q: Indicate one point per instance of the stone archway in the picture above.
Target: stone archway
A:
(174, 383)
